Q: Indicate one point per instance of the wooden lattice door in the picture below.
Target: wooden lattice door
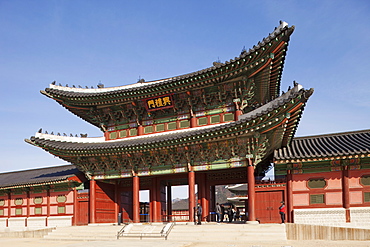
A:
(267, 206)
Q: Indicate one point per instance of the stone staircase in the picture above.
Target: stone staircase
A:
(85, 233)
(196, 233)
(231, 232)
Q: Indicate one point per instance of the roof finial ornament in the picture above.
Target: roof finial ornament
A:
(243, 51)
(53, 83)
(40, 130)
(295, 83)
(100, 85)
(218, 62)
(46, 132)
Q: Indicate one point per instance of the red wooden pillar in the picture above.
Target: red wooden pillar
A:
(92, 201)
(345, 193)
(251, 192)
(28, 205)
(75, 210)
(238, 112)
(191, 181)
(169, 202)
(157, 203)
(193, 122)
(135, 199)
(152, 200)
(204, 199)
(289, 190)
(140, 130)
(117, 203)
(47, 205)
(9, 207)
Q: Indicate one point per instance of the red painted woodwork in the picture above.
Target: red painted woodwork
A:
(191, 181)
(105, 203)
(92, 201)
(345, 186)
(82, 209)
(135, 199)
(267, 206)
(289, 199)
(251, 191)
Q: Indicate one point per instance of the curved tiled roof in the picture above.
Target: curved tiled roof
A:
(42, 176)
(172, 137)
(146, 89)
(330, 145)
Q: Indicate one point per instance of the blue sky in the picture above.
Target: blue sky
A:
(118, 42)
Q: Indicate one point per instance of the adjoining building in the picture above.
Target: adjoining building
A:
(218, 125)
(325, 178)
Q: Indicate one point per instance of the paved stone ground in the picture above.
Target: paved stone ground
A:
(37, 242)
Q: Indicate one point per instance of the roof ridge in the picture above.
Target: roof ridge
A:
(332, 134)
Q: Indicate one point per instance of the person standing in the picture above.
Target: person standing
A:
(199, 214)
(218, 212)
(222, 212)
(282, 210)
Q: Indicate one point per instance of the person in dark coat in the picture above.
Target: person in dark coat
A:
(199, 214)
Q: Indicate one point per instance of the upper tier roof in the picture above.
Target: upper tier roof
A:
(264, 63)
(326, 146)
(34, 177)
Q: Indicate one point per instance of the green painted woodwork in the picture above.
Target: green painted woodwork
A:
(215, 119)
(171, 126)
(61, 210)
(202, 121)
(37, 200)
(122, 133)
(38, 211)
(185, 124)
(316, 183)
(61, 187)
(317, 199)
(61, 199)
(366, 196)
(159, 128)
(133, 132)
(113, 135)
(18, 201)
(365, 180)
(148, 129)
(229, 117)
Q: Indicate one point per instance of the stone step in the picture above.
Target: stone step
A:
(211, 232)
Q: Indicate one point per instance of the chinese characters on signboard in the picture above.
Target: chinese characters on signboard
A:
(157, 103)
